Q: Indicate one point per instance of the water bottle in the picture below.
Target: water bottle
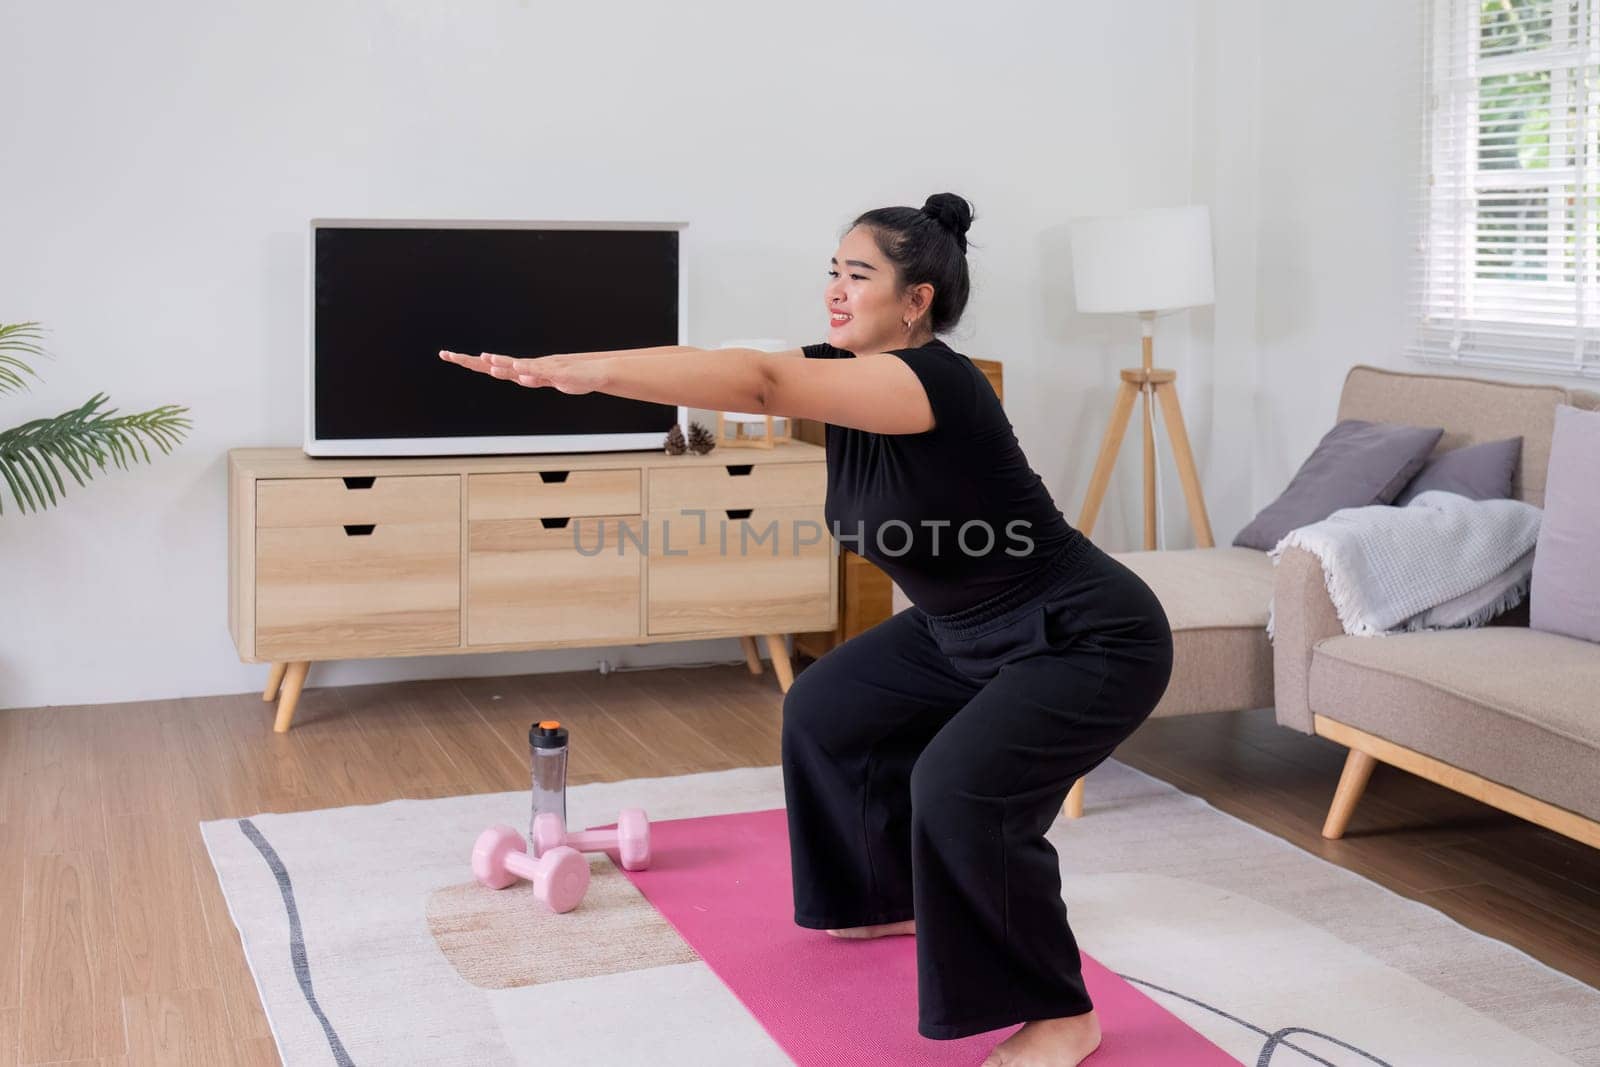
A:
(547, 750)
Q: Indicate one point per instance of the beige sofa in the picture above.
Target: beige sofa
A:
(1503, 713)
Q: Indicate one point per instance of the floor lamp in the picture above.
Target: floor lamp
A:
(1145, 263)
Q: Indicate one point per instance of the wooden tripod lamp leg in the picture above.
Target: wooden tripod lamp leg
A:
(1173, 413)
(1148, 412)
(1109, 446)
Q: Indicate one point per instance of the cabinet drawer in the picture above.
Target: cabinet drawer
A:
(528, 582)
(286, 502)
(771, 572)
(553, 494)
(328, 592)
(734, 485)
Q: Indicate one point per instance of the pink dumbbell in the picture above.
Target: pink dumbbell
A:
(631, 837)
(560, 877)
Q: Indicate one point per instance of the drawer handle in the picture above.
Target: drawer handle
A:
(359, 483)
(736, 469)
(739, 513)
(553, 476)
(555, 524)
(359, 529)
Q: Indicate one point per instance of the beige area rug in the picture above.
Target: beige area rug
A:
(371, 945)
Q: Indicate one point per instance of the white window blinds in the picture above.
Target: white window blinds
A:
(1508, 264)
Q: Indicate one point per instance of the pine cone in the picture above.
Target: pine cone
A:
(674, 444)
(701, 440)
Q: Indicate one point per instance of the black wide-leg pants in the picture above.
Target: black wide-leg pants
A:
(924, 759)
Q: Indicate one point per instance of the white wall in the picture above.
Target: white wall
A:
(1340, 174)
(1324, 172)
(1340, 129)
(162, 160)
(1219, 384)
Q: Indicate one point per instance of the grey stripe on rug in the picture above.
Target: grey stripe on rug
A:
(297, 947)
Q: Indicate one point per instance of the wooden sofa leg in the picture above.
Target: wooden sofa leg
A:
(1073, 808)
(1357, 769)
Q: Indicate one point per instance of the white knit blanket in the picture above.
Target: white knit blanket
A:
(1441, 561)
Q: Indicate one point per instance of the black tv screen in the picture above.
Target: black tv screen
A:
(386, 297)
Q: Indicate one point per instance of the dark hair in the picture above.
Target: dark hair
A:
(928, 245)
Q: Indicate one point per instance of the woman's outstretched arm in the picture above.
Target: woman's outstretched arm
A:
(663, 350)
(722, 379)
(878, 393)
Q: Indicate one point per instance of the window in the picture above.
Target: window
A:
(1508, 266)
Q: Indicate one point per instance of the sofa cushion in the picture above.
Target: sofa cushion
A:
(1216, 601)
(1356, 464)
(1514, 705)
(1565, 594)
(1477, 472)
(1472, 410)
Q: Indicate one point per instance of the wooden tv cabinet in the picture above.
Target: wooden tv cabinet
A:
(356, 558)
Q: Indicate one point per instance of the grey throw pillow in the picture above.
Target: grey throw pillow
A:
(1565, 597)
(1477, 472)
(1355, 464)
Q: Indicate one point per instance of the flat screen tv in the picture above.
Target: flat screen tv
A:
(385, 296)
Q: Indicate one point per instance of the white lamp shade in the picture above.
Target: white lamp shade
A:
(1152, 260)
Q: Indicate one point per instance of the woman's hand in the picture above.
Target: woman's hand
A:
(566, 373)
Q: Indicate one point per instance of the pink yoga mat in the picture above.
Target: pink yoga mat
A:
(723, 882)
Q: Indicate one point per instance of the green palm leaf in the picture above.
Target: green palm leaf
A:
(34, 455)
(17, 340)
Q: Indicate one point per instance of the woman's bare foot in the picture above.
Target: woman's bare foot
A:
(909, 926)
(1063, 1042)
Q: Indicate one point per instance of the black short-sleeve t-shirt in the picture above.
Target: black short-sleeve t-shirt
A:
(954, 514)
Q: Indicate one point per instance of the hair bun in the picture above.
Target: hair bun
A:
(953, 213)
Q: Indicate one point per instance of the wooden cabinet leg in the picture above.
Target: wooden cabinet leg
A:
(1352, 781)
(780, 661)
(1073, 808)
(752, 658)
(274, 679)
(294, 680)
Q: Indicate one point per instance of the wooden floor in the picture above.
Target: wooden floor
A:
(117, 947)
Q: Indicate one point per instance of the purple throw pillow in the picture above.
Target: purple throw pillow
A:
(1477, 472)
(1565, 595)
(1355, 464)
